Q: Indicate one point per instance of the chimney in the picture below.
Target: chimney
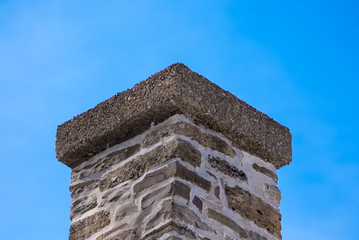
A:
(175, 157)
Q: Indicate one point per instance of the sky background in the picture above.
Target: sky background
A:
(296, 61)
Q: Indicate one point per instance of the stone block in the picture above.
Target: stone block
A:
(217, 191)
(175, 188)
(87, 226)
(198, 203)
(137, 167)
(125, 209)
(130, 234)
(173, 238)
(185, 151)
(193, 177)
(272, 192)
(256, 236)
(265, 171)
(168, 228)
(82, 205)
(224, 167)
(224, 220)
(120, 194)
(173, 169)
(188, 130)
(82, 187)
(104, 163)
(157, 176)
(254, 209)
(106, 234)
(170, 210)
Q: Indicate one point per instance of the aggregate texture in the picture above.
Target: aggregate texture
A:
(174, 90)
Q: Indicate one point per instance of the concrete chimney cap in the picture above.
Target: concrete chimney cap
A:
(174, 90)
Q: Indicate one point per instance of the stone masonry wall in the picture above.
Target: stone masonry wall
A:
(177, 180)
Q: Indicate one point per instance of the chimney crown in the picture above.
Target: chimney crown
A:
(174, 90)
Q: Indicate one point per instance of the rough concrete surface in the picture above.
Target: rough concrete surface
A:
(173, 90)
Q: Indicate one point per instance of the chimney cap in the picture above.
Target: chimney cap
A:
(174, 90)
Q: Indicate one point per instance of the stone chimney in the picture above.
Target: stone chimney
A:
(175, 157)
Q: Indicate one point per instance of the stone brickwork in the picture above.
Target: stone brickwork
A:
(178, 178)
(170, 181)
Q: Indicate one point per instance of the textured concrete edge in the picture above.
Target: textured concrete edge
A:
(173, 90)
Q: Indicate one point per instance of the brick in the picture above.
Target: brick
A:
(126, 235)
(265, 171)
(217, 190)
(228, 238)
(173, 169)
(224, 167)
(191, 176)
(157, 176)
(172, 189)
(104, 163)
(186, 152)
(106, 234)
(86, 227)
(169, 210)
(272, 192)
(82, 205)
(256, 236)
(170, 227)
(120, 194)
(173, 238)
(222, 219)
(254, 209)
(137, 167)
(198, 203)
(82, 187)
(188, 130)
(125, 209)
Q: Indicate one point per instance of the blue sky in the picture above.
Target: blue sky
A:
(296, 61)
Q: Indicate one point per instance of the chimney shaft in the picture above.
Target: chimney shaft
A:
(175, 157)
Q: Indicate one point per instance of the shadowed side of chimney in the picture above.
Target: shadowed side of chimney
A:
(175, 157)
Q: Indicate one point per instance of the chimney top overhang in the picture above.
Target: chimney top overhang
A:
(174, 90)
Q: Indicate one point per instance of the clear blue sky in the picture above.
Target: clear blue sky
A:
(296, 61)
